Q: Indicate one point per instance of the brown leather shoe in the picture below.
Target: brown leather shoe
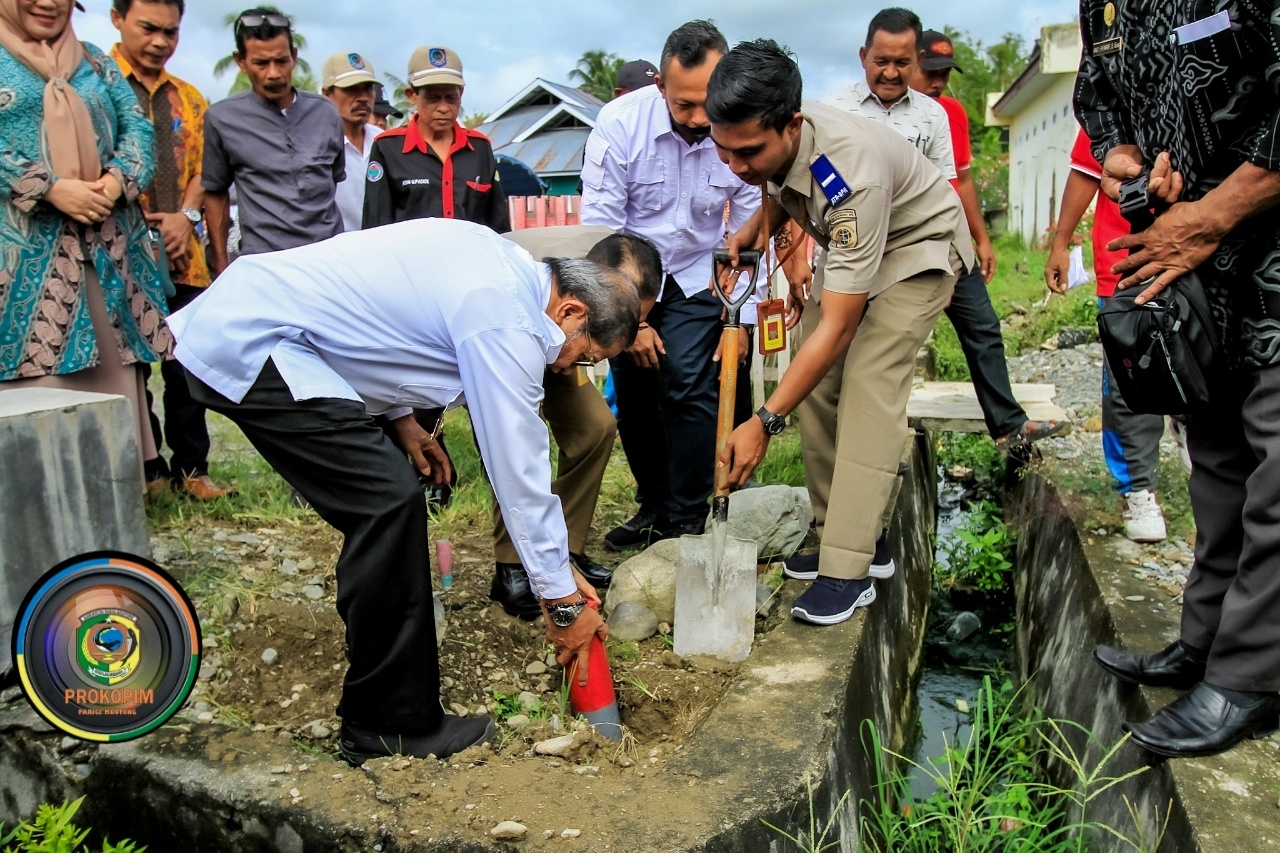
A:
(156, 488)
(204, 489)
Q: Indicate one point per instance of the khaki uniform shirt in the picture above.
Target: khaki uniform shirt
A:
(559, 241)
(900, 219)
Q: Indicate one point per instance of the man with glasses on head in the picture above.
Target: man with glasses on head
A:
(281, 147)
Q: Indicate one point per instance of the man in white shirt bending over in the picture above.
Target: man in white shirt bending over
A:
(428, 312)
(651, 169)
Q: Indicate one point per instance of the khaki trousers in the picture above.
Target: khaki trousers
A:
(584, 429)
(854, 424)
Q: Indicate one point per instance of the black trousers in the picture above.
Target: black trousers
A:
(334, 454)
(1231, 603)
(978, 328)
(667, 417)
(185, 430)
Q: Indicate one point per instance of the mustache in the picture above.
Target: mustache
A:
(698, 133)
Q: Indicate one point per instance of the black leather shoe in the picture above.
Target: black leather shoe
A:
(511, 590)
(643, 529)
(358, 744)
(1205, 722)
(1178, 666)
(596, 574)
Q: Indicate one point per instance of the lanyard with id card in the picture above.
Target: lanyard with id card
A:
(771, 322)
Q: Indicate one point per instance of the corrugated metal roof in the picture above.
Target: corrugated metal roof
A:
(552, 150)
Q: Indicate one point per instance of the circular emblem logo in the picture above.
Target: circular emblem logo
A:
(437, 57)
(1109, 14)
(107, 646)
(375, 171)
(356, 60)
(943, 48)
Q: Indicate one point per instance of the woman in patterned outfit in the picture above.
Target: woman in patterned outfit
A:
(81, 300)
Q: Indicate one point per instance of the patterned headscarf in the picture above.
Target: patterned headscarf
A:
(69, 137)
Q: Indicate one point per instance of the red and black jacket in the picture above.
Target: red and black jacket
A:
(407, 180)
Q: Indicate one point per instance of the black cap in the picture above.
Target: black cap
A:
(383, 107)
(636, 75)
(939, 53)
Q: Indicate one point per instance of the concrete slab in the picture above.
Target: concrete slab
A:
(953, 406)
(72, 484)
(1074, 593)
(793, 718)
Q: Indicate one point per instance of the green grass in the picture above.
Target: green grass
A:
(1017, 291)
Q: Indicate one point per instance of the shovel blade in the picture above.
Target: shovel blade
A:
(715, 618)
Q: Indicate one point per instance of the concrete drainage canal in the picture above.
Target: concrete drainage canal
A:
(794, 754)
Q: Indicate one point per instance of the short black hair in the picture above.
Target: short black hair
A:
(123, 6)
(264, 31)
(623, 251)
(756, 80)
(690, 44)
(894, 20)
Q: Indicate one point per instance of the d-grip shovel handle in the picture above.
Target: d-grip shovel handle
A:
(746, 258)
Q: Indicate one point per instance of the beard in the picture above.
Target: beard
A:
(693, 134)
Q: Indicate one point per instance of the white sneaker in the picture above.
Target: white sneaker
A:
(1178, 430)
(1143, 520)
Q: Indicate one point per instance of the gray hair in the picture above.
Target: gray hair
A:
(613, 307)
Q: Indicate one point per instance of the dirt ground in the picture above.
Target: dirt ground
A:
(261, 590)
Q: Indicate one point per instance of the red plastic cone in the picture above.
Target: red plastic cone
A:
(596, 700)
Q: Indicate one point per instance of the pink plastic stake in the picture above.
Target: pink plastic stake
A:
(444, 562)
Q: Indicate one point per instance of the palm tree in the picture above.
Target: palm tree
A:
(302, 78)
(394, 91)
(598, 71)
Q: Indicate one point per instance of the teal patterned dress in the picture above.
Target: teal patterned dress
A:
(45, 325)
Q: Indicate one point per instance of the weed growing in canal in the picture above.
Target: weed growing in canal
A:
(993, 794)
(978, 559)
(814, 839)
(53, 832)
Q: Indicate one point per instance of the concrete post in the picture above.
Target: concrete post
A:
(69, 483)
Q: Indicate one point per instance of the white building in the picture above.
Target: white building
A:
(1037, 109)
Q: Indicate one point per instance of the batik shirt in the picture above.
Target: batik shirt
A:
(176, 109)
(1197, 78)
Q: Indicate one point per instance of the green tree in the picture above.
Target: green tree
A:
(987, 68)
(302, 78)
(598, 72)
(394, 91)
(474, 119)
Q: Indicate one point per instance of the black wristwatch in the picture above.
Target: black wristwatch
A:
(773, 424)
(562, 615)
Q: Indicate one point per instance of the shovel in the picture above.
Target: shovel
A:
(716, 582)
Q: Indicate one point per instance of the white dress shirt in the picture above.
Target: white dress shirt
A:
(423, 313)
(640, 177)
(351, 190)
(919, 118)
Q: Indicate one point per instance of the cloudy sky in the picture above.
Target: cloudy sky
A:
(504, 45)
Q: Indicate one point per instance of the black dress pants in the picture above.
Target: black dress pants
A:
(667, 417)
(978, 328)
(334, 454)
(1231, 602)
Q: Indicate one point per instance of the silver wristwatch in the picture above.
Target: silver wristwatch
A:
(563, 615)
(193, 216)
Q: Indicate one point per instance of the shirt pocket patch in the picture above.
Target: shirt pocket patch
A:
(593, 162)
(646, 179)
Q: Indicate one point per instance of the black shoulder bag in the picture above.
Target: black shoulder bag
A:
(1165, 354)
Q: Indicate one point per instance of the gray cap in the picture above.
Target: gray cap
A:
(636, 75)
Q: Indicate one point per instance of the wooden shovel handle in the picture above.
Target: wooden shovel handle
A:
(730, 350)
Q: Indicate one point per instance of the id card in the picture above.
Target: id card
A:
(771, 326)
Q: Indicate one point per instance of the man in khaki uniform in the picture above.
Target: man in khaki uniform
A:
(896, 239)
(579, 418)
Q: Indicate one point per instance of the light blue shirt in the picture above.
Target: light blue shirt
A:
(423, 313)
(640, 177)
